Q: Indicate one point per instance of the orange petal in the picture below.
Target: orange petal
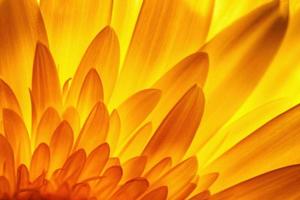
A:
(236, 67)
(21, 26)
(179, 176)
(17, 136)
(81, 191)
(185, 191)
(135, 109)
(95, 162)
(131, 190)
(47, 125)
(5, 190)
(22, 177)
(72, 168)
(184, 117)
(282, 183)
(79, 22)
(160, 193)
(91, 92)
(45, 84)
(40, 161)
(174, 84)
(270, 147)
(94, 130)
(71, 115)
(133, 168)
(103, 55)
(59, 150)
(136, 143)
(201, 196)
(114, 131)
(158, 170)
(7, 163)
(161, 38)
(206, 181)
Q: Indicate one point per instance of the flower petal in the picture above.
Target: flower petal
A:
(239, 56)
(279, 184)
(71, 115)
(114, 131)
(94, 130)
(71, 25)
(160, 193)
(17, 136)
(270, 147)
(184, 117)
(158, 170)
(133, 168)
(40, 161)
(45, 83)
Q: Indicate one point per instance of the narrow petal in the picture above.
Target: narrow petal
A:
(183, 118)
(270, 147)
(17, 136)
(95, 162)
(71, 115)
(7, 163)
(158, 170)
(59, 150)
(40, 161)
(47, 125)
(131, 190)
(133, 168)
(201, 196)
(279, 184)
(45, 83)
(22, 177)
(135, 109)
(94, 130)
(137, 142)
(21, 27)
(91, 92)
(71, 26)
(153, 50)
(114, 131)
(236, 67)
(5, 190)
(161, 193)
(178, 176)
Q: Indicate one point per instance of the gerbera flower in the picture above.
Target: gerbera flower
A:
(152, 99)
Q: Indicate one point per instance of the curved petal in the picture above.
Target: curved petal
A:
(40, 161)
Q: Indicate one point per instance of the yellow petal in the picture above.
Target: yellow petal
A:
(40, 161)
(71, 25)
(7, 163)
(178, 176)
(174, 84)
(47, 125)
(158, 170)
(21, 27)
(131, 190)
(137, 142)
(91, 92)
(236, 66)
(95, 162)
(161, 38)
(45, 83)
(279, 184)
(161, 193)
(94, 130)
(17, 136)
(183, 118)
(71, 115)
(135, 109)
(133, 168)
(114, 131)
(59, 150)
(270, 147)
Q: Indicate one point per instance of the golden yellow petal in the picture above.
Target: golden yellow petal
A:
(91, 92)
(160, 39)
(114, 131)
(236, 66)
(59, 151)
(131, 190)
(279, 184)
(133, 168)
(71, 26)
(183, 118)
(40, 161)
(93, 133)
(160, 193)
(270, 147)
(21, 27)
(135, 109)
(136, 143)
(47, 125)
(158, 170)
(95, 162)
(17, 135)
(71, 115)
